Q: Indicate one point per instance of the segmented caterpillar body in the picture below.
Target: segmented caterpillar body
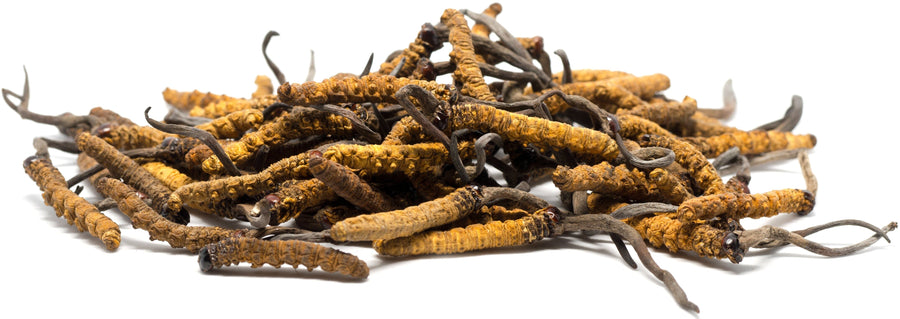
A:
(605, 178)
(691, 159)
(463, 55)
(588, 75)
(508, 233)
(740, 205)
(170, 176)
(126, 137)
(233, 251)
(67, 204)
(348, 185)
(591, 144)
(410, 220)
(752, 142)
(222, 108)
(143, 217)
(375, 88)
(234, 124)
(130, 172)
(186, 101)
(300, 122)
(295, 196)
(234, 187)
(374, 160)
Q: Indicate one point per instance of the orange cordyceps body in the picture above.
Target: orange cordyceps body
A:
(348, 185)
(143, 217)
(740, 205)
(463, 55)
(67, 204)
(295, 196)
(494, 234)
(375, 88)
(233, 251)
(408, 221)
(591, 144)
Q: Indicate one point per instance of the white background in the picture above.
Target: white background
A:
(841, 58)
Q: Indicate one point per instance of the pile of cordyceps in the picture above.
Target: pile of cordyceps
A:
(398, 159)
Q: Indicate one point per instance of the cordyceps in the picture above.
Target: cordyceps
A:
(398, 157)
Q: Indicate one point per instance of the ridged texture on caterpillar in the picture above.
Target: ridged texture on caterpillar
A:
(349, 186)
(739, 205)
(233, 251)
(624, 92)
(701, 125)
(669, 186)
(186, 101)
(494, 234)
(463, 55)
(143, 217)
(123, 167)
(583, 142)
(405, 131)
(416, 50)
(587, 75)
(234, 124)
(632, 127)
(665, 231)
(300, 122)
(85, 162)
(408, 221)
(110, 116)
(691, 159)
(752, 142)
(132, 137)
(67, 204)
(375, 88)
(222, 108)
(667, 114)
(374, 160)
(605, 178)
(233, 187)
(295, 196)
(171, 177)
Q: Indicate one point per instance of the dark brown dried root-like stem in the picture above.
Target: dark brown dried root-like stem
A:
(770, 236)
(208, 139)
(600, 222)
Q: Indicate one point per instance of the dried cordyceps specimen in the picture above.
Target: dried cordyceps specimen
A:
(405, 64)
(186, 101)
(467, 72)
(171, 177)
(348, 185)
(131, 173)
(234, 124)
(691, 159)
(393, 159)
(300, 122)
(494, 234)
(408, 221)
(234, 187)
(67, 204)
(142, 216)
(233, 251)
(738, 206)
(126, 137)
(752, 142)
(374, 88)
(291, 199)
